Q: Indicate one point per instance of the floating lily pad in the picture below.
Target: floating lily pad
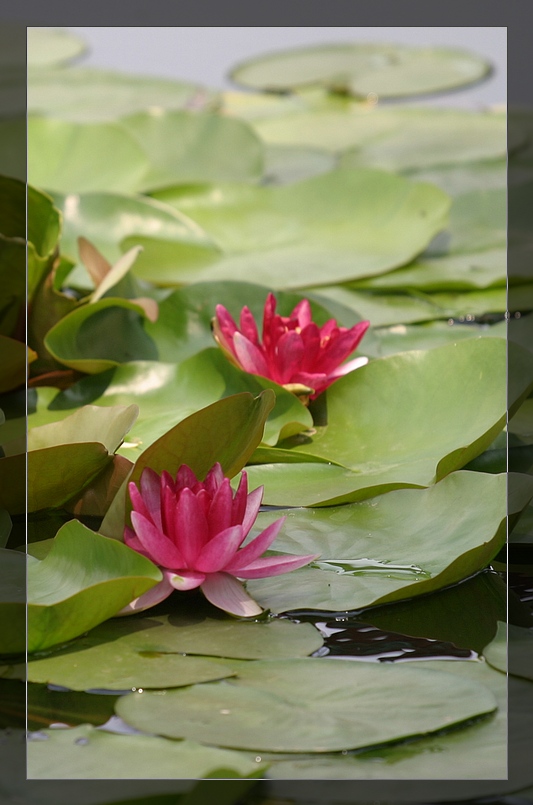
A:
(477, 752)
(406, 543)
(464, 178)
(90, 753)
(186, 148)
(107, 218)
(88, 94)
(310, 705)
(388, 71)
(150, 652)
(85, 579)
(77, 158)
(285, 164)
(392, 139)
(330, 228)
(52, 46)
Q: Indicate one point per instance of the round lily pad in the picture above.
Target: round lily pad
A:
(310, 705)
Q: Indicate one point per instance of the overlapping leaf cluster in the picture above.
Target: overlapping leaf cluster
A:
(394, 475)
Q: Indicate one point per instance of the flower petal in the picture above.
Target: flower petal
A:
(253, 502)
(185, 579)
(346, 368)
(249, 356)
(227, 593)
(158, 546)
(273, 566)
(289, 356)
(220, 510)
(219, 550)
(248, 326)
(149, 598)
(192, 527)
(151, 491)
(255, 548)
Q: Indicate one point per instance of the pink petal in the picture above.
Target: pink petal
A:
(186, 579)
(249, 356)
(226, 323)
(273, 566)
(289, 356)
(219, 550)
(248, 326)
(253, 502)
(192, 527)
(151, 493)
(150, 598)
(133, 542)
(302, 312)
(269, 320)
(137, 501)
(240, 501)
(219, 514)
(185, 478)
(158, 546)
(346, 368)
(255, 548)
(225, 592)
(214, 478)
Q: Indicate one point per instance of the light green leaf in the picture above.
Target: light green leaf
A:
(331, 228)
(477, 753)
(88, 424)
(88, 94)
(403, 544)
(191, 147)
(387, 71)
(90, 753)
(310, 705)
(77, 158)
(85, 579)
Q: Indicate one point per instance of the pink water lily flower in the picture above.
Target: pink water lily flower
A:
(193, 530)
(294, 351)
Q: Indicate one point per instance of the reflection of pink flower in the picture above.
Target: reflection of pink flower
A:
(294, 350)
(194, 531)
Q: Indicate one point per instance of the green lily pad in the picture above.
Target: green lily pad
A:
(429, 335)
(90, 753)
(476, 752)
(421, 139)
(52, 46)
(150, 652)
(107, 218)
(464, 178)
(76, 158)
(394, 139)
(88, 94)
(189, 147)
(381, 309)
(403, 544)
(82, 443)
(285, 164)
(511, 651)
(167, 393)
(101, 335)
(85, 579)
(387, 71)
(310, 705)
(331, 228)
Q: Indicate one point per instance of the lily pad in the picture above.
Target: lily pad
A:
(394, 139)
(90, 753)
(107, 218)
(85, 579)
(285, 164)
(88, 94)
(189, 147)
(150, 652)
(396, 546)
(477, 752)
(463, 178)
(48, 47)
(12, 601)
(387, 71)
(310, 705)
(77, 158)
(331, 228)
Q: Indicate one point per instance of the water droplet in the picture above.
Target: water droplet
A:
(140, 690)
(354, 567)
(225, 712)
(451, 322)
(344, 752)
(58, 725)
(81, 741)
(258, 759)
